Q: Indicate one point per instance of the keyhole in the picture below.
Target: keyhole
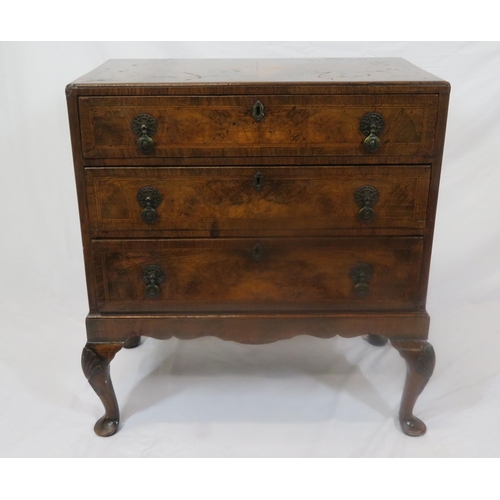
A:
(258, 181)
(257, 252)
(258, 111)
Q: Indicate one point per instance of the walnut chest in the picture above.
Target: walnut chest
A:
(256, 200)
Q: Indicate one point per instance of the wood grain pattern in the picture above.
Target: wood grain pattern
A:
(256, 328)
(303, 219)
(224, 201)
(221, 275)
(224, 126)
(207, 73)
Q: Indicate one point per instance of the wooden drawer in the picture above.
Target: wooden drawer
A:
(247, 201)
(281, 274)
(312, 125)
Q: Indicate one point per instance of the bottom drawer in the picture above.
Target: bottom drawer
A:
(281, 274)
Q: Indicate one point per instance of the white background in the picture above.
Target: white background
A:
(304, 397)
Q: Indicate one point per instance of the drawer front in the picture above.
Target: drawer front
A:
(283, 274)
(269, 200)
(229, 126)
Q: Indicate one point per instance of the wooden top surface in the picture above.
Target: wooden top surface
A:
(147, 72)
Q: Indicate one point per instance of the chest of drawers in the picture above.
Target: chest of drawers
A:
(256, 200)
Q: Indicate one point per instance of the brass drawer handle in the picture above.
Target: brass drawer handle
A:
(149, 198)
(361, 274)
(153, 276)
(258, 111)
(372, 125)
(366, 197)
(144, 126)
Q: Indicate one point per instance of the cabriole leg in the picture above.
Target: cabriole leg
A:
(420, 360)
(132, 342)
(95, 363)
(376, 340)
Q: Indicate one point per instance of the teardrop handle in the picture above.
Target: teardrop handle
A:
(149, 198)
(372, 125)
(361, 274)
(366, 197)
(153, 276)
(144, 126)
(145, 143)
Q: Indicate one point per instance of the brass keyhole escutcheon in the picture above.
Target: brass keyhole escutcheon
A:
(258, 111)
(258, 181)
(257, 252)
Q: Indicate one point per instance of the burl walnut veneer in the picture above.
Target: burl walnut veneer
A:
(256, 200)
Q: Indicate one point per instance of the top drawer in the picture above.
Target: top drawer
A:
(272, 125)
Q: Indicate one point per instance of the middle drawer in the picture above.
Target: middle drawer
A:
(233, 201)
